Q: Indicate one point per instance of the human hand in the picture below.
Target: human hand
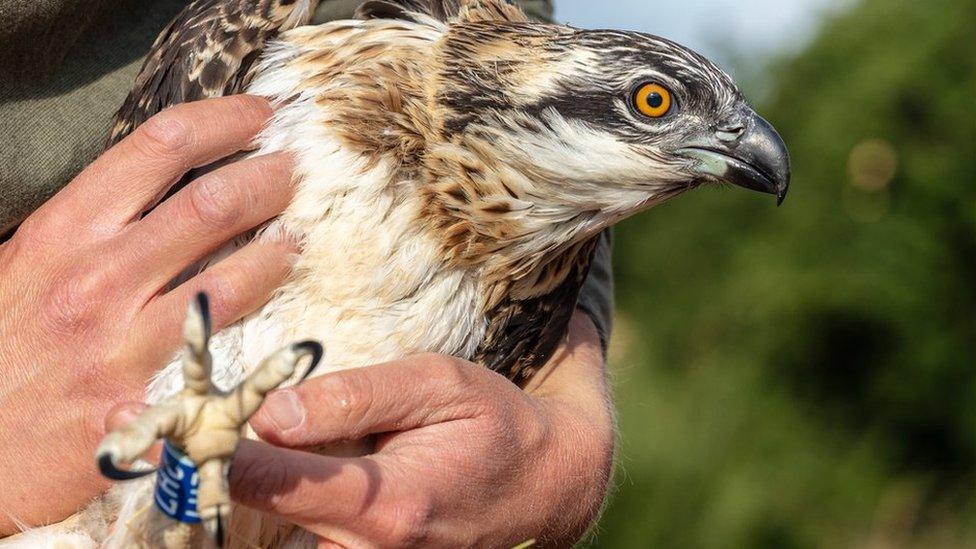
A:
(84, 315)
(463, 457)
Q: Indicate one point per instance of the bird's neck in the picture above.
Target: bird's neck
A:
(495, 213)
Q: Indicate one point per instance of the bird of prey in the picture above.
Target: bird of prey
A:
(455, 165)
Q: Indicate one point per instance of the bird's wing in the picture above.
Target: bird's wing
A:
(207, 50)
(443, 10)
(523, 333)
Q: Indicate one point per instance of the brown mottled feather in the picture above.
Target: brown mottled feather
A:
(444, 10)
(207, 50)
(524, 333)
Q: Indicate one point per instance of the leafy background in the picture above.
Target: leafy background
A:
(804, 376)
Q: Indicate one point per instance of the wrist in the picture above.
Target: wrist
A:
(580, 467)
(47, 447)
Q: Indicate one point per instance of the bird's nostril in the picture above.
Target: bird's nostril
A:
(729, 133)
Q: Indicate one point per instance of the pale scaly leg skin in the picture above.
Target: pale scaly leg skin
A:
(213, 498)
(197, 361)
(203, 424)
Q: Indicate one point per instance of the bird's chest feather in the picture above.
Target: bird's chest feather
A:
(370, 282)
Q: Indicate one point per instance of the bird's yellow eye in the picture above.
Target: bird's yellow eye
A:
(652, 100)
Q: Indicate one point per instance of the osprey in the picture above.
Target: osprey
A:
(455, 166)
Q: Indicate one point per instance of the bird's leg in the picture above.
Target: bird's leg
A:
(202, 428)
(213, 498)
(241, 403)
(164, 420)
(217, 431)
(197, 361)
(125, 445)
(131, 442)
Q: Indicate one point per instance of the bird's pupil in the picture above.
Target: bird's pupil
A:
(655, 100)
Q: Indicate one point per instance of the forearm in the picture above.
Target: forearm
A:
(573, 390)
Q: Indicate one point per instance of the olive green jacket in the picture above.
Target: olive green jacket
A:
(67, 65)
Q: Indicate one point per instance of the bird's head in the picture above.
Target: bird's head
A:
(593, 126)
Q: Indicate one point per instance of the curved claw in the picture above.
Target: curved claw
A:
(106, 465)
(198, 324)
(309, 348)
(219, 535)
(203, 304)
(214, 525)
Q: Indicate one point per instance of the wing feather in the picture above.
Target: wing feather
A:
(524, 333)
(207, 50)
(443, 10)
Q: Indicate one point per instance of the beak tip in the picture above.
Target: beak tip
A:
(781, 196)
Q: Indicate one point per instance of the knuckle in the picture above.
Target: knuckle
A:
(224, 291)
(45, 230)
(21, 244)
(213, 202)
(410, 524)
(536, 432)
(34, 226)
(460, 384)
(220, 298)
(349, 396)
(451, 370)
(72, 306)
(249, 106)
(165, 134)
(262, 478)
(233, 292)
(96, 378)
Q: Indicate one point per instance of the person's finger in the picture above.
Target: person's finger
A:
(343, 498)
(121, 183)
(236, 286)
(125, 413)
(401, 395)
(207, 213)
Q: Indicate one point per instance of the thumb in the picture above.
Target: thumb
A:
(396, 396)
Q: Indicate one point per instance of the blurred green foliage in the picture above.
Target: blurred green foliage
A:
(804, 376)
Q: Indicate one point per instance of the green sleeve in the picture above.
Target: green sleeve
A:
(65, 67)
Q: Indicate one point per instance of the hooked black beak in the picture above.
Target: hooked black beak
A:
(748, 153)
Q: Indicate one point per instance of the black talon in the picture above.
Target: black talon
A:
(203, 302)
(313, 348)
(220, 530)
(108, 469)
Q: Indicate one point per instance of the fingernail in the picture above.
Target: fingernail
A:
(127, 416)
(123, 414)
(284, 409)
